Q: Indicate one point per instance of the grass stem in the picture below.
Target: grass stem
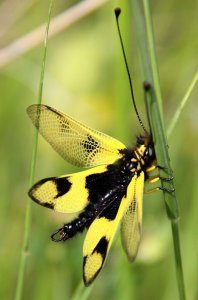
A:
(28, 214)
(155, 115)
(182, 104)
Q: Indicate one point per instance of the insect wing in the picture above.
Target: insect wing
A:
(75, 142)
(96, 187)
(73, 192)
(131, 225)
(101, 233)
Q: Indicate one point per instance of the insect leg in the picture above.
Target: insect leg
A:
(159, 188)
(153, 179)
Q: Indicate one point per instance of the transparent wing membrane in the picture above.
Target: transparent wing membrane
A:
(75, 142)
(131, 225)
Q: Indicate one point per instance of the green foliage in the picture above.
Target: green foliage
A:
(85, 77)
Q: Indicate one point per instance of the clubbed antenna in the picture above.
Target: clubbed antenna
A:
(117, 13)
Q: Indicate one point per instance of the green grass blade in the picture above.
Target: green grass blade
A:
(155, 115)
(152, 55)
(25, 245)
(169, 197)
(178, 259)
(82, 292)
(182, 104)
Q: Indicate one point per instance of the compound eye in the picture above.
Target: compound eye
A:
(149, 151)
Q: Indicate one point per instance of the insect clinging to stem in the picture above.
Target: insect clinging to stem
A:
(107, 194)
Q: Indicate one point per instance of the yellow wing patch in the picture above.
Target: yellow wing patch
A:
(66, 194)
(74, 141)
(131, 225)
(101, 233)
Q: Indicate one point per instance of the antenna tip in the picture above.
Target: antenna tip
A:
(117, 11)
(146, 85)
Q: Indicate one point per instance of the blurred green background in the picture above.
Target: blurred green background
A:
(85, 77)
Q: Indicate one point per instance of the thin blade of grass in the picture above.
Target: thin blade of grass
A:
(82, 292)
(28, 214)
(155, 115)
(152, 55)
(162, 153)
(182, 104)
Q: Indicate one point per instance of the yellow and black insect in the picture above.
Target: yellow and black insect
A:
(109, 193)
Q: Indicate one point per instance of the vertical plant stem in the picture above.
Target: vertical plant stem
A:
(155, 115)
(169, 190)
(178, 259)
(162, 152)
(82, 292)
(152, 54)
(28, 214)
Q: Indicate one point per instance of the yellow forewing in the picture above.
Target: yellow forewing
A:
(131, 225)
(100, 235)
(66, 194)
(75, 142)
